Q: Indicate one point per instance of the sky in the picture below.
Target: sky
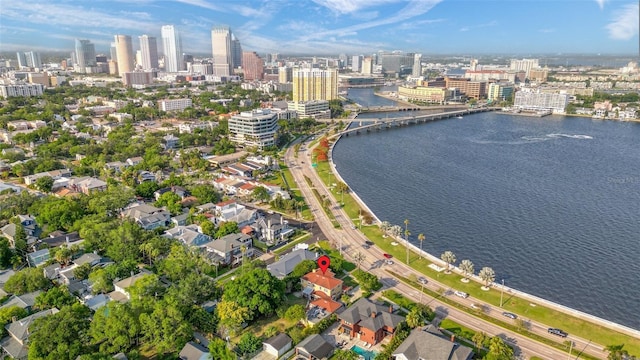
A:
(333, 27)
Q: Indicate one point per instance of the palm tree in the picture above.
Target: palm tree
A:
(466, 266)
(449, 258)
(406, 240)
(358, 258)
(421, 238)
(478, 339)
(396, 231)
(385, 226)
(488, 276)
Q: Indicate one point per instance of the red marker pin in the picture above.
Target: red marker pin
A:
(323, 263)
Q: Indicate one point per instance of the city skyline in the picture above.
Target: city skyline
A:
(335, 26)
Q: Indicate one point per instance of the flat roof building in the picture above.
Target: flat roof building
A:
(255, 128)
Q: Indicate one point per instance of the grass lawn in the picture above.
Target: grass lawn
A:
(259, 326)
(292, 243)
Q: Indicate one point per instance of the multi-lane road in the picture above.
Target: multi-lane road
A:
(351, 241)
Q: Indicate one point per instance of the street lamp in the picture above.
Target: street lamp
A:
(501, 292)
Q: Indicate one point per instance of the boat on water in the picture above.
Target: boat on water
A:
(459, 117)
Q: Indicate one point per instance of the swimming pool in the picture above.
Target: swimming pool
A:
(366, 354)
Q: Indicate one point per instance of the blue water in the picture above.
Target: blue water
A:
(551, 204)
(368, 355)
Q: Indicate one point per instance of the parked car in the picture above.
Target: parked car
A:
(389, 262)
(388, 256)
(366, 246)
(510, 315)
(475, 306)
(422, 280)
(370, 243)
(462, 294)
(558, 332)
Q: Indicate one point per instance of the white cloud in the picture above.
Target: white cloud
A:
(479, 26)
(351, 6)
(625, 23)
(547, 30)
(601, 3)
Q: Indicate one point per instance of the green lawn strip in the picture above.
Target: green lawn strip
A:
(485, 317)
(463, 334)
(333, 253)
(326, 211)
(291, 244)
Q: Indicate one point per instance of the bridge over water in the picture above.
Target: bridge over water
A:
(408, 107)
(388, 123)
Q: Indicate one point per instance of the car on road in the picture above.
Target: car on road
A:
(365, 246)
(510, 315)
(558, 332)
(462, 294)
(370, 243)
(475, 306)
(389, 262)
(388, 256)
(422, 280)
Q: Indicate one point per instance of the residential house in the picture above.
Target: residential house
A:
(324, 285)
(314, 347)
(180, 220)
(121, 293)
(4, 276)
(15, 345)
(190, 235)
(92, 259)
(288, 262)
(24, 301)
(147, 216)
(278, 345)
(178, 190)
(229, 248)
(115, 166)
(59, 238)
(29, 225)
(369, 321)
(144, 175)
(272, 229)
(38, 257)
(231, 211)
(194, 351)
(87, 185)
(170, 142)
(430, 343)
(54, 174)
(96, 302)
(134, 161)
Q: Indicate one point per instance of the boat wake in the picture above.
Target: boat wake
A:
(528, 139)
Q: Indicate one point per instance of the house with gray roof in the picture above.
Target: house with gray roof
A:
(24, 301)
(288, 262)
(15, 345)
(194, 351)
(272, 228)
(314, 347)
(431, 344)
(147, 216)
(368, 321)
(190, 235)
(278, 345)
(229, 248)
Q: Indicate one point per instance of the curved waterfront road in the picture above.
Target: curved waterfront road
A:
(351, 240)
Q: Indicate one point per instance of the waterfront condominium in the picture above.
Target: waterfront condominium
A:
(256, 128)
(172, 46)
(149, 52)
(124, 53)
(222, 52)
(252, 65)
(315, 84)
(416, 72)
(85, 55)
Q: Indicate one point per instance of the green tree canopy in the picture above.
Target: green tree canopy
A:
(165, 328)
(295, 313)
(56, 297)
(44, 184)
(26, 281)
(60, 336)
(219, 350)
(249, 343)
(257, 290)
(115, 327)
(205, 193)
(226, 228)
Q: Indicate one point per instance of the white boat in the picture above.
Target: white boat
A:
(459, 117)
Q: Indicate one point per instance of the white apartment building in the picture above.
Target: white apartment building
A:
(174, 104)
(21, 90)
(255, 128)
(310, 108)
(536, 101)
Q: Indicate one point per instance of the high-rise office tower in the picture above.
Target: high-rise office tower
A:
(22, 60)
(221, 49)
(172, 46)
(417, 65)
(149, 52)
(252, 65)
(356, 63)
(33, 59)
(112, 52)
(85, 55)
(367, 65)
(315, 84)
(236, 51)
(124, 52)
(285, 74)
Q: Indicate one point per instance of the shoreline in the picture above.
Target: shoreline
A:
(595, 320)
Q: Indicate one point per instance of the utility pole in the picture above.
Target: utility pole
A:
(501, 292)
